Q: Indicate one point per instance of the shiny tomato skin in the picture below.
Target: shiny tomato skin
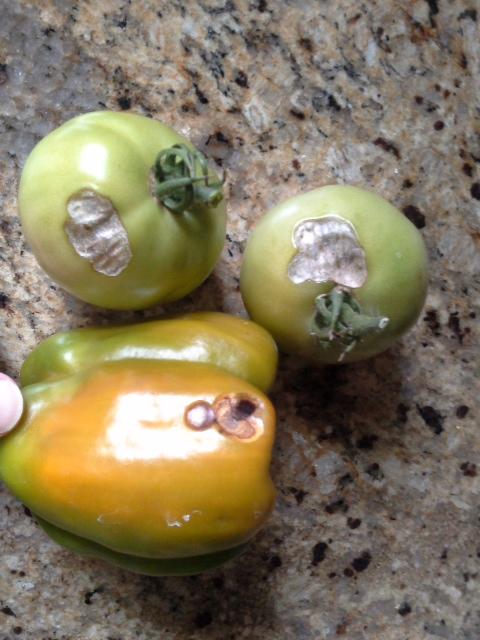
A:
(112, 155)
(395, 287)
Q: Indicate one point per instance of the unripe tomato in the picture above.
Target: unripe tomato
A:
(335, 274)
(114, 222)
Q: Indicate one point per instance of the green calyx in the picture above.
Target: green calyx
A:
(339, 318)
(182, 179)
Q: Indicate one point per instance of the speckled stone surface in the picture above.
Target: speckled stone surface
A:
(376, 529)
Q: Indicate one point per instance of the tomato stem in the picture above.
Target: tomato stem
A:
(182, 179)
(339, 318)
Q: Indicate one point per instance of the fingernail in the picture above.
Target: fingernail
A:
(11, 404)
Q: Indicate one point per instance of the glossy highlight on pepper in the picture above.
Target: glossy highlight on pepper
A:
(158, 466)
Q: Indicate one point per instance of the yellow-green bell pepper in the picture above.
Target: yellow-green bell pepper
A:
(160, 466)
(239, 346)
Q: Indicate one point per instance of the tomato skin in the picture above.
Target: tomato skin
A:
(112, 154)
(396, 262)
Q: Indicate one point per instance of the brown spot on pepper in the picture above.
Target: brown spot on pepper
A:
(238, 415)
(199, 415)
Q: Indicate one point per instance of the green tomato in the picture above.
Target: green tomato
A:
(335, 274)
(113, 222)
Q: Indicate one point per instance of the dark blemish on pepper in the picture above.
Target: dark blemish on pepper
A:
(354, 523)
(337, 506)
(318, 553)
(242, 79)
(236, 415)
(362, 562)
(3, 73)
(467, 169)
(432, 418)
(475, 190)
(203, 619)
(404, 609)
(415, 216)
(244, 409)
(367, 441)
(469, 469)
(387, 146)
(374, 471)
(461, 411)
(124, 102)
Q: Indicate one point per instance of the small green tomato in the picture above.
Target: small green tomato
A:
(121, 210)
(335, 274)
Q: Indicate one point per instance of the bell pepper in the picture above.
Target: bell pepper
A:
(239, 346)
(155, 464)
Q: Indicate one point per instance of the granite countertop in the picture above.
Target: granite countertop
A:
(376, 529)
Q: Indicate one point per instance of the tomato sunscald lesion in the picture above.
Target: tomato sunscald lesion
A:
(348, 272)
(94, 220)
